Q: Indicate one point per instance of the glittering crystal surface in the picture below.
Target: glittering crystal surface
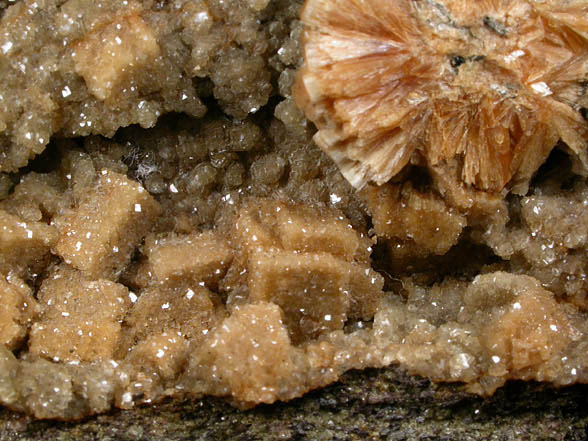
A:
(168, 228)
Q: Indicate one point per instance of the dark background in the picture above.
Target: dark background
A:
(374, 404)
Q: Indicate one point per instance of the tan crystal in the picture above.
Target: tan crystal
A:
(403, 214)
(197, 257)
(494, 84)
(24, 244)
(100, 234)
(309, 262)
(114, 51)
(18, 309)
(251, 358)
(79, 317)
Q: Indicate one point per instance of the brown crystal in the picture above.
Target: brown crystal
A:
(146, 256)
(23, 244)
(113, 51)
(79, 318)
(403, 215)
(493, 85)
(18, 309)
(210, 256)
(99, 235)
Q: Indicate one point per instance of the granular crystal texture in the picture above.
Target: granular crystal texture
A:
(79, 317)
(99, 235)
(76, 69)
(151, 251)
(18, 308)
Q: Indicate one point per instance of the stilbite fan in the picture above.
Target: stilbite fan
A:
(492, 85)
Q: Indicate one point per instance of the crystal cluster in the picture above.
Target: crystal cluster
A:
(148, 250)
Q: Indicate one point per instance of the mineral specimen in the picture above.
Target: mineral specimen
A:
(492, 85)
(145, 255)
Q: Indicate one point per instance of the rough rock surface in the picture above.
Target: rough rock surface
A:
(366, 405)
